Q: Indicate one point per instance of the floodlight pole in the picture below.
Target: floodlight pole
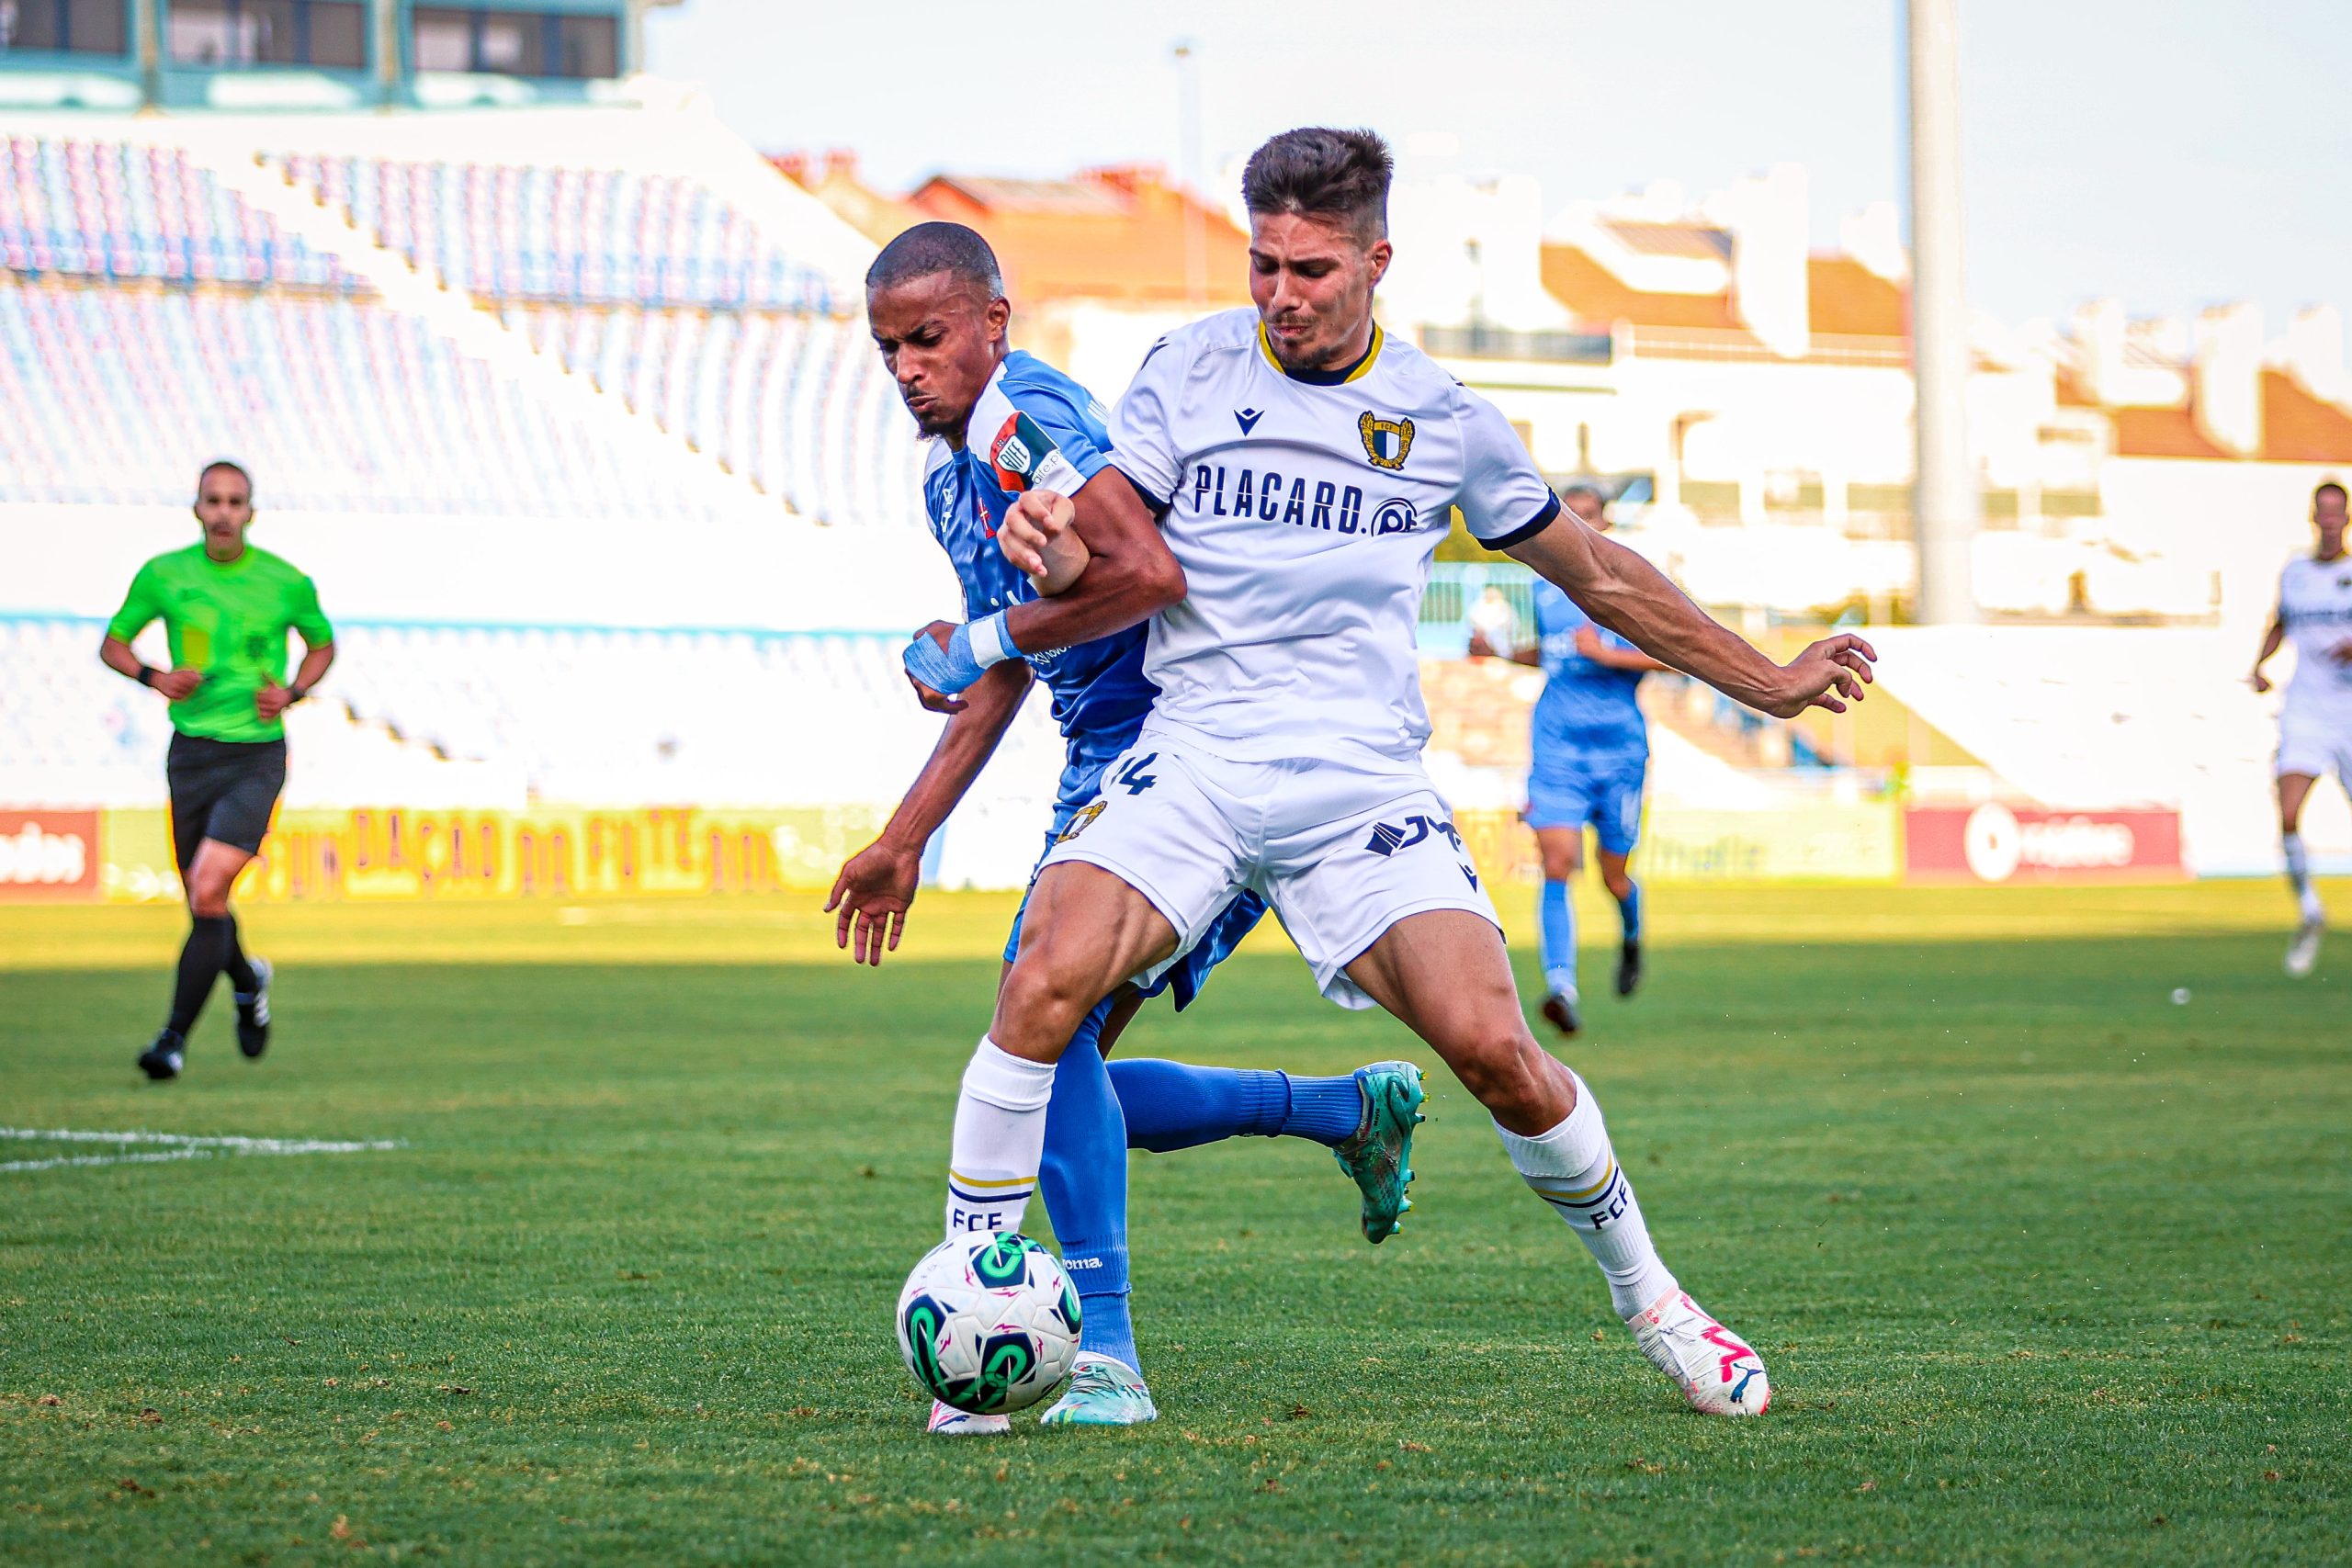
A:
(1187, 55)
(1945, 504)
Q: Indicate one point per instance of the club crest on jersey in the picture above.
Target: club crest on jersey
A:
(1019, 450)
(1079, 823)
(1387, 441)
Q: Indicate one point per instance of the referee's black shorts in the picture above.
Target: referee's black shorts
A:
(222, 789)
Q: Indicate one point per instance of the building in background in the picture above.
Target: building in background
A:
(312, 54)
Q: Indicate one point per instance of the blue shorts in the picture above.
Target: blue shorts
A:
(1608, 796)
(1184, 978)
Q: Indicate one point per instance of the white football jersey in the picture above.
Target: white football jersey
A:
(2315, 604)
(1303, 510)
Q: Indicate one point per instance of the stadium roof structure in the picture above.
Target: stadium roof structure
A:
(1121, 234)
(315, 55)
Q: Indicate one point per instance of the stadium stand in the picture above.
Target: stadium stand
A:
(115, 395)
(579, 715)
(123, 210)
(74, 735)
(271, 345)
(581, 235)
(799, 404)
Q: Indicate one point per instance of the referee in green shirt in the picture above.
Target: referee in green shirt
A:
(227, 608)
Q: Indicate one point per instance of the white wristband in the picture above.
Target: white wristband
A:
(990, 645)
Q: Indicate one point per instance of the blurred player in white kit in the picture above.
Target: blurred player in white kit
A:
(2316, 725)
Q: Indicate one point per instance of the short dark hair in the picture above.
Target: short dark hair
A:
(2324, 486)
(1316, 172)
(931, 248)
(218, 464)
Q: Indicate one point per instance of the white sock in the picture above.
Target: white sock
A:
(1573, 1168)
(2298, 877)
(1000, 1139)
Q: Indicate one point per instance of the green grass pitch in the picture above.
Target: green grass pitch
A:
(2047, 1266)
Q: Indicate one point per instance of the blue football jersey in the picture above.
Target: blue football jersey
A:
(1035, 426)
(1587, 713)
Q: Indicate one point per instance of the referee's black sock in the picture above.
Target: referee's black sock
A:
(210, 939)
(239, 972)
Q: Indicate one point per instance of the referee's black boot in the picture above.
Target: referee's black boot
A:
(252, 1012)
(162, 1060)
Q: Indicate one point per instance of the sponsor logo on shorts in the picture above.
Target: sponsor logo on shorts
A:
(1079, 823)
(1387, 839)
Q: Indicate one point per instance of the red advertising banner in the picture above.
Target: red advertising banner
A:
(1997, 843)
(49, 856)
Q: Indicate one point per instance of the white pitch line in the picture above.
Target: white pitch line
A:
(174, 1146)
(105, 1159)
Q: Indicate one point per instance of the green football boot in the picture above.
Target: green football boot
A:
(1103, 1391)
(1378, 1155)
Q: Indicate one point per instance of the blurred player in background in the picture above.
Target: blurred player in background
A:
(2315, 723)
(1590, 749)
(1002, 420)
(226, 608)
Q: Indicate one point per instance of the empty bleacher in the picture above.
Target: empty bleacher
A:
(576, 716)
(128, 210)
(799, 404)
(111, 394)
(553, 233)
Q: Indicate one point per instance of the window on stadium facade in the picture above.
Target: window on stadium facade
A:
(327, 33)
(65, 27)
(514, 43)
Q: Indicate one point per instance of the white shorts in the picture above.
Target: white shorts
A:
(2317, 744)
(1342, 852)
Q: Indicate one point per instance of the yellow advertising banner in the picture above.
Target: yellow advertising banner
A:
(1811, 841)
(397, 852)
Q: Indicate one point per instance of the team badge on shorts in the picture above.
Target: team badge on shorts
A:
(1387, 441)
(1079, 823)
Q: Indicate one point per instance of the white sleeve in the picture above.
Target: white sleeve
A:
(1504, 496)
(1143, 443)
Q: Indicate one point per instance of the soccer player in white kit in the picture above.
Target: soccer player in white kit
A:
(1305, 465)
(2315, 723)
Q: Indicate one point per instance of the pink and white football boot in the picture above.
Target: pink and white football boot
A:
(1713, 1367)
(947, 1421)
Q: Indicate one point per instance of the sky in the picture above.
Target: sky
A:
(2173, 153)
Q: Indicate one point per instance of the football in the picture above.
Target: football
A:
(988, 1323)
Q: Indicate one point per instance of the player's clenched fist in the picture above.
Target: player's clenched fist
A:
(1038, 536)
(1834, 666)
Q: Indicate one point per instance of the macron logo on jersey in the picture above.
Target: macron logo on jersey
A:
(1247, 419)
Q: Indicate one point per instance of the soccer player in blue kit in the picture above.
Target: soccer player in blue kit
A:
(1591, 748)
(1000, 421)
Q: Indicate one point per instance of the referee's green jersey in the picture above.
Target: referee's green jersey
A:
(229, 620)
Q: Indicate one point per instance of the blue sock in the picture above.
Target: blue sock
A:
(1325, 1109)
(1629, 909)
(1556, 939)
(1083, 1178)
(1174, 1105)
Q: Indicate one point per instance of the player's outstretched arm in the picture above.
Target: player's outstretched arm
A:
(1631, 597)
(1128, 576)
(1125, 573)
(877, 885)
(1039, 536)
